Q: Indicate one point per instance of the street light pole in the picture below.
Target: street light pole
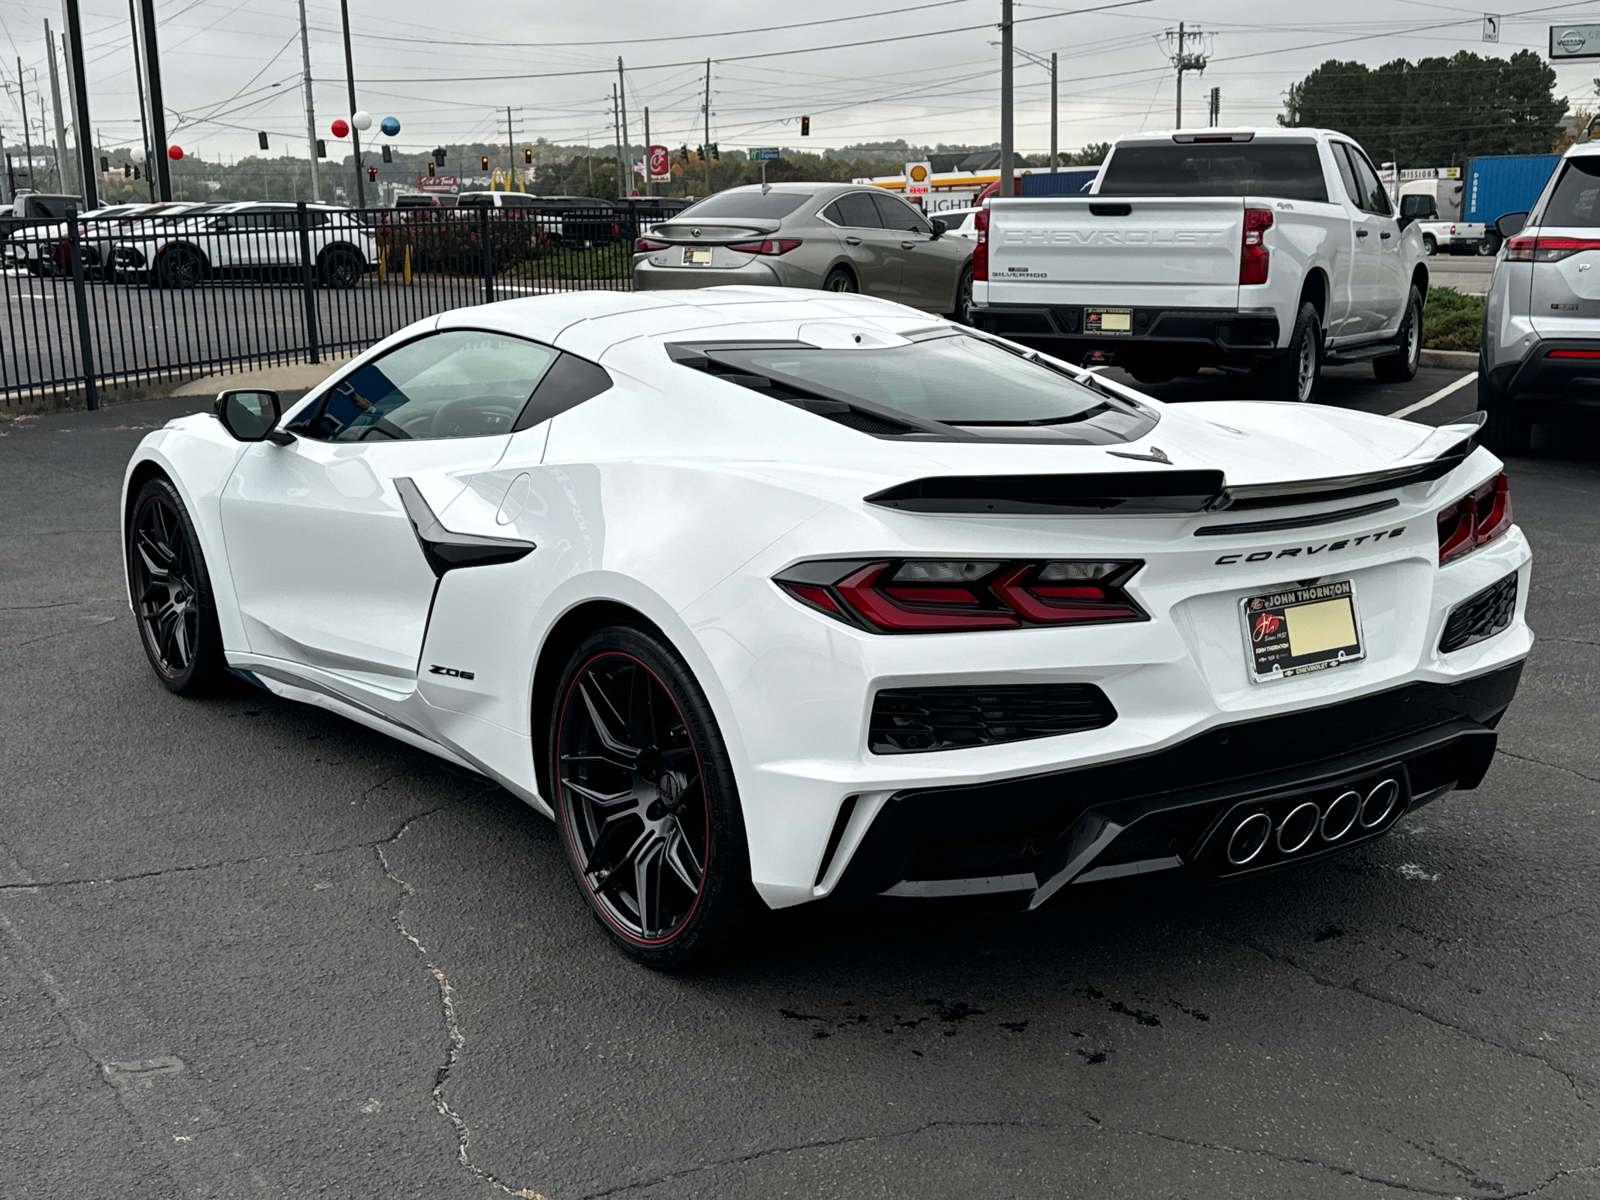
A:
(350, 81)
(1007, 187)
(648, 189)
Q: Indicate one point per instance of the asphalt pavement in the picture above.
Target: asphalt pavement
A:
(249, 949)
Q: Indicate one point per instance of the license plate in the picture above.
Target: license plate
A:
(1108, 320)
(1301, 630)
(696, 258)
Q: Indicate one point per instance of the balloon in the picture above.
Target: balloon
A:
(362, 120)
(340, 129)
(390, 126)
(137, 155)
(174, 152)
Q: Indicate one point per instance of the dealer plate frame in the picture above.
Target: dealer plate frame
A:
(1256, 604)
(1098, 316)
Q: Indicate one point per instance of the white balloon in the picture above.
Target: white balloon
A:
(137, 155)
(362, 121)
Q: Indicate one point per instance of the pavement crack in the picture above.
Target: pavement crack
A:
(1289, 1160)
(1460, 1168)
(1527, 758)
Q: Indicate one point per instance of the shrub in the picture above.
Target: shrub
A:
(1451, 320)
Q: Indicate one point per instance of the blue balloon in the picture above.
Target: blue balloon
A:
(390, 126)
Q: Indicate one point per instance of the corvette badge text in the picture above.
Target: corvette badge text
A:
(1308, 551)
(451, 672)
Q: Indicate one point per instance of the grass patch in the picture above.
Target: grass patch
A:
(613, 261)
(1451, 321)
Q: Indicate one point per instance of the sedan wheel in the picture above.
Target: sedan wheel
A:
(840, 280)
(172, 592)
(646, 800)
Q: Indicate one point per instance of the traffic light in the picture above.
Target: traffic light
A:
(105, 165)
(485, 161)
(387, 156)
(700, 152)
(683, 153)
(430, 170)
(372, 174)
(261, 136)
(527, 155)
(127, 171)
(805, 126)
(714, 153)
(438, 156)
(322, 148)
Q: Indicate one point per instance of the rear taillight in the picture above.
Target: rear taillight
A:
(1452, 229)
(771, 247)
(1477, 518)
(645, 245)
(1547, 249)
(1253, 250)
(942, 596)
(1573, 354)
(980, 251)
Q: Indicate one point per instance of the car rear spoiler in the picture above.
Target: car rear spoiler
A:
(1159, 491)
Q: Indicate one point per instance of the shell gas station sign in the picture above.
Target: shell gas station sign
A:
(919, 179)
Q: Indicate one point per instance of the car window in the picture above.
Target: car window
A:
(897, 214)
(1374, 198)
(761, 206)
(856, 211)
(462, 383)
(1289, 170)
(1573, 200)
(1347, 173)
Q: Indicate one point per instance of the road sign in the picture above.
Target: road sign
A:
(660, 164)
(764, 154)
(919, 179)
(1574, 41)
(1491, 27)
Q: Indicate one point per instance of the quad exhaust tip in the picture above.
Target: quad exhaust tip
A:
(1306, 821)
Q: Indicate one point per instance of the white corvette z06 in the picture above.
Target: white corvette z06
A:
(768, 597)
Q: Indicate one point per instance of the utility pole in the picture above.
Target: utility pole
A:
(55, 105)
(1054, 157)
(708, 127)
(157, 164)
(1007, 186)
(511, 151)
(1185, 61)
(616, 131)
(622, 91)
(350, 81)
(8, 181)
(138, 82)
(648, 190)
(311, 111)
(1216, 106)
(27, 134)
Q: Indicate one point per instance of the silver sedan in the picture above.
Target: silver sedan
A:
(831, 236)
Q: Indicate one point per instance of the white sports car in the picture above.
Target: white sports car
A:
(770, 596)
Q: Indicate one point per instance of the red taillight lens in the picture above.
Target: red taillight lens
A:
(941, 596)
(1253, 250)
(645, 245)
(1520, 249)
(980, 252)
(1477, 518)
(771, 246)
(1547, 249)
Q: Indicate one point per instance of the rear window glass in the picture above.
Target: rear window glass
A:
(957, 380)
(1288, 170)
(1574, 200)
(769, 206)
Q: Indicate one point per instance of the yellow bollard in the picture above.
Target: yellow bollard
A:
(408, 264)
(383, 264)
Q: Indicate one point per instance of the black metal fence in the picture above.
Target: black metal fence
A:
(147, 296)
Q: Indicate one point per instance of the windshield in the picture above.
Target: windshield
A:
(957, 380)
(1288, 170)
(762, 206)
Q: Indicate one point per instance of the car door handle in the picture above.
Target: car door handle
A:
(1361, 233)
(907, 245)
(852, 241)
(1385, 235)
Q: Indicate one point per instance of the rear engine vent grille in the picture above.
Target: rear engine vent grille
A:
(1480, 616)
(910, 720)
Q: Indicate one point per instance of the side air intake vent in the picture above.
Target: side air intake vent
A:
(1480, 616)
(909, 720)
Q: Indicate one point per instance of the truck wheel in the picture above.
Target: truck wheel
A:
(1486, 247)
(1430, 245)
(1401, 366)
(1293, 376)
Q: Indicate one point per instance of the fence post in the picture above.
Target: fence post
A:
(85, 340)
(488, 256)
(308, 284)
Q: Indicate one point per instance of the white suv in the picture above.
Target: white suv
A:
(245, 239)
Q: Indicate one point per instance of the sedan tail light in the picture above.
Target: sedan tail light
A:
(945, 595)
(1477, 518)
(645, 245)
(769, 246)
(980, 250)
(1253, 250)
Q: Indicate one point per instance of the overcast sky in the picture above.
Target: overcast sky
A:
(447, 68)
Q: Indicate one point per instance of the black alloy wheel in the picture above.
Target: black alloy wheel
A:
(1293, 375)
(180, 267)
(341, 267)
(840, 280)
(1401, 366)
(171, 588)
(646, 801)
(963, 311)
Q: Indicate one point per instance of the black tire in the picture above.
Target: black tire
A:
(1294, 374)
(340, 267)
(1430, 245)
(179, 267)
(840, 279)
(171, 587)
(1150, 372)
(645, 797)
(1401, 366)
(962, 313)
(1506, 432)
(1486, 246)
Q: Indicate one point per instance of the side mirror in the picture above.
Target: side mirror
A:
(252, 416)
(940, 227)
(1511, 224)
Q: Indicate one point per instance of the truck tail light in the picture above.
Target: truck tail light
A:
(771, 247)
(980, 251)
(943, 596)
(1479, 517)
(1547, 249)
(1253, 250)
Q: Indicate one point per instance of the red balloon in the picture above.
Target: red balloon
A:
(174, 152)
(340, 127)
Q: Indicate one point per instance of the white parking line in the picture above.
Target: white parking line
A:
(1436, 397)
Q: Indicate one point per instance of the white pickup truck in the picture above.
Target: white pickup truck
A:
(1261, 252)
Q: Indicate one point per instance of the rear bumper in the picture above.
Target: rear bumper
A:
(1196, 335)
(1177, 807)
(1543, 382)
(647, 277)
